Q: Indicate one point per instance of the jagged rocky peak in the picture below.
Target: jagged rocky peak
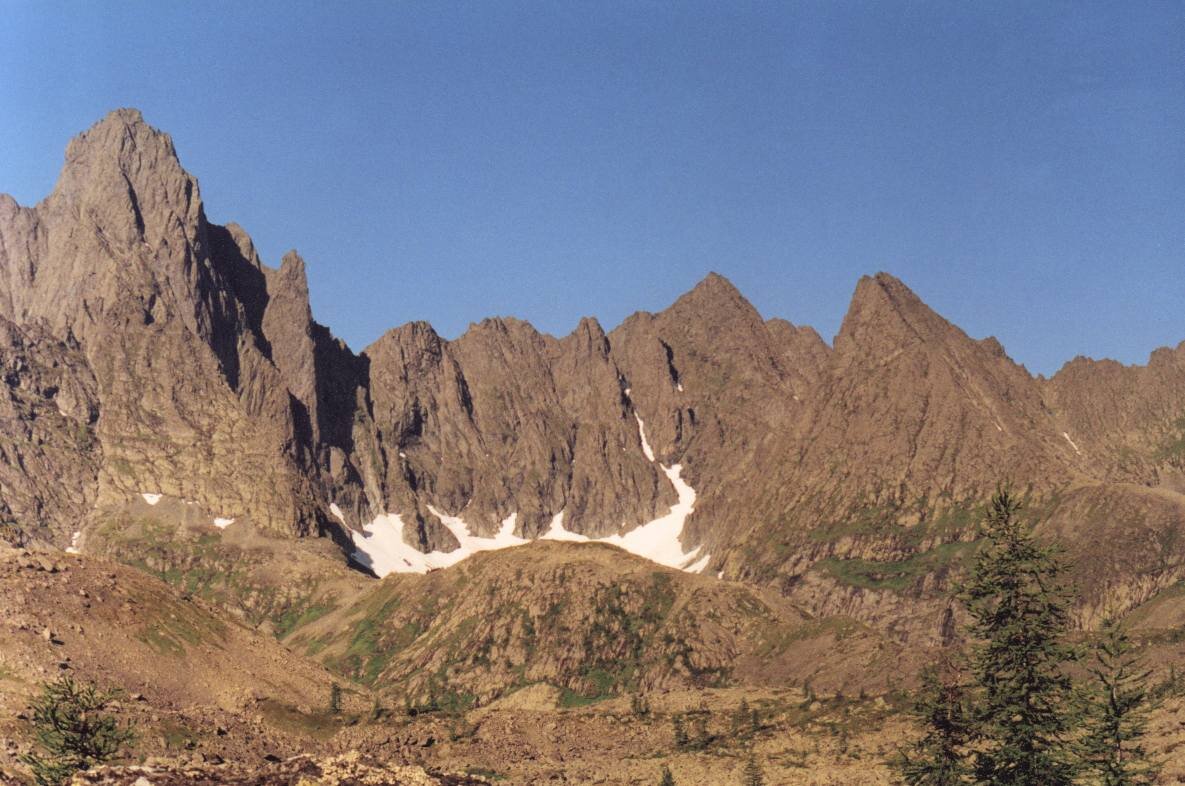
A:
(123, 168)
(885, 315)
(713, 292)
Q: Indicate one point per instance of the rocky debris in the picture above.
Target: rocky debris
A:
(349, 768)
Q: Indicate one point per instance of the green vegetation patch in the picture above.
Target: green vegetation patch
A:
(896, 575)
(1174, 445)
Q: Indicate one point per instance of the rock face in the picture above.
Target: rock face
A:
(149, 351)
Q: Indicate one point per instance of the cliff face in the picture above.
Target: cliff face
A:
(148, 351)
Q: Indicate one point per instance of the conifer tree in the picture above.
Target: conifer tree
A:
(702, 735)
(680, 731)
(73, 730)
(335, 699)
(1018, 605)
(740, 718)
(752, 775)
(940, 757)
(1118, 703)
(667, 778)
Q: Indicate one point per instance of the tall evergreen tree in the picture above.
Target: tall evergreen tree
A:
(1117, 708)
(667, 778)
(1018, 602)
(939, 757)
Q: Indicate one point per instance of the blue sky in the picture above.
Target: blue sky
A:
(1020, 165)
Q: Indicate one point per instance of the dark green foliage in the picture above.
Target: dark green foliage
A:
(335, 699)
(667, 778)
(1113, 752)
(680, 732)
(741, 720)
(702, 737)
(939, 758)
(1018, 603)
(752, 774)
(73, 731)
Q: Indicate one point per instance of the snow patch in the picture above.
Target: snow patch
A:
(1067, 436)
(151, 499)
(557, 532)
(642, 433)
(223, 523)
(74, 540)
(337, 512)
(380, 545)
(679, 386)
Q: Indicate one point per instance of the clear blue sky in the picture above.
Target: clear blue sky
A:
(1020, 165)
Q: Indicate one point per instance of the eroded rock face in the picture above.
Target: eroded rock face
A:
(49, 454)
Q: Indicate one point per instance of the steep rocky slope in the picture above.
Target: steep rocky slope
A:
(186, 669)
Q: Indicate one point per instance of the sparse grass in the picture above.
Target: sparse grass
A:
(570, 699)
(485, 772)
(1174, 445)
(897, 575)
(320, 725)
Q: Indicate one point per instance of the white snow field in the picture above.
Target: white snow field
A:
(151, 499)
(380, 545)
(223, 523)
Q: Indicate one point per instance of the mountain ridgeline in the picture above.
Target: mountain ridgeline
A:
(158, 371)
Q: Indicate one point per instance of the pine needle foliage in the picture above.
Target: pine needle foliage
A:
(1117, 709)
(752, 774)
(679, 731)
(1018, 602)
(940, 757)
(73, 730)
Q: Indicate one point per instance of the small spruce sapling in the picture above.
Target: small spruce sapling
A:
(680, 732)
(73, 730)
(752, 774)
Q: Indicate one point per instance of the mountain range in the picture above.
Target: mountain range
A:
(172, 404)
